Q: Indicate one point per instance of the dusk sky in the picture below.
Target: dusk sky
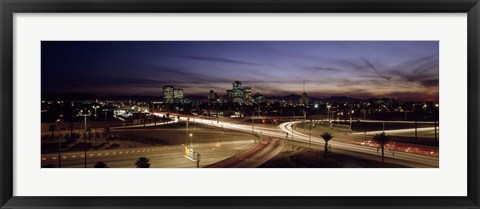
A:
(405, 70)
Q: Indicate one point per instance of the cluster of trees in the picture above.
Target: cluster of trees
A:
(86, 135)
(380, 138)
(141, 162)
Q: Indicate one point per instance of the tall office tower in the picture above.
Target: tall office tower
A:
(248, 94)
(178, 95)
(211, 96)
(228, 96)
(237, 92)
(168, 94)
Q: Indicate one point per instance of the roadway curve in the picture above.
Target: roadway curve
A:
(402, 158)
(254, 157)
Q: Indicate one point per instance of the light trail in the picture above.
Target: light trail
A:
(411, 159)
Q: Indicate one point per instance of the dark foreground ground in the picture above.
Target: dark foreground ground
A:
(314, 159)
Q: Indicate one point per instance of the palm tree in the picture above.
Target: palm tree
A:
(326, 137)
(381, 139)
(48, 165)
(100, 164)
(52, 128)
(142, 162)
(107, 134)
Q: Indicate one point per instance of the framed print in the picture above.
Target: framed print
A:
(263, 104)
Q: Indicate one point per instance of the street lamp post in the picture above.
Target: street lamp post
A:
(85, 138)
(328, 115)
(84, 118)
(95, 107)
(351, 119)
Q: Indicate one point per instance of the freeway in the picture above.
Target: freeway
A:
(270, 150)
(160, 156)
(403, 158)
(253, 157)
(172, 156)
(398, 131)
(395, 121)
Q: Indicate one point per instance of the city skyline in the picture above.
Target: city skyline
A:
(404, 70)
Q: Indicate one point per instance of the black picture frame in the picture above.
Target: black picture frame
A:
(9, 7)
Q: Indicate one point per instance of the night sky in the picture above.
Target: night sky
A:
(405, 70)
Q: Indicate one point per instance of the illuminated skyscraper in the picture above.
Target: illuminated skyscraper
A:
(172, 95)
(168, 94)
(248, 94)
(237, 92)
(178, 95)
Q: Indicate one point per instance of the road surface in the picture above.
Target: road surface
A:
(160, 157)
(403, 158)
